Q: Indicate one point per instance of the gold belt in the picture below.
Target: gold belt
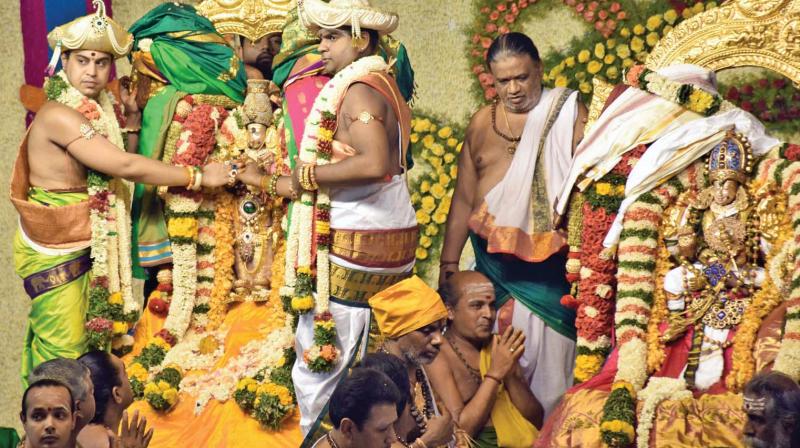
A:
(376, 248)
(353, 285)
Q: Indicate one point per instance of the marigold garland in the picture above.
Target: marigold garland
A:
(223, 258)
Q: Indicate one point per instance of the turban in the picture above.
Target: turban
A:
(405, 307)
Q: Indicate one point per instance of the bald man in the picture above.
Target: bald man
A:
(480, 370)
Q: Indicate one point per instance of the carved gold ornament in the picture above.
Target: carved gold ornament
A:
(252, 19)
(761, 33)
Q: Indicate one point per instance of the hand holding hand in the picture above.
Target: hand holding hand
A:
(215, 174)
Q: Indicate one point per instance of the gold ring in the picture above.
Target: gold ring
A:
(511, 349)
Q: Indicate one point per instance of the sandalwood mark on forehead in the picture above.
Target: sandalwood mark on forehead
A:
(478, 289)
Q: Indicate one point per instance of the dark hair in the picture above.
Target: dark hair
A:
(447, 291)
(357, 394)
(64, 370)
(44, 383)
(512, 44)
(105, 378)
(784, 394)
(395, 369)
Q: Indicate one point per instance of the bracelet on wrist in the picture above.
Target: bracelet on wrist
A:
(499, 381)
(447, 263)
(190, 171)
(272, 189)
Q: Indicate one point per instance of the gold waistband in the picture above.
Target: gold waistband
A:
(352, 285)
(376, 248)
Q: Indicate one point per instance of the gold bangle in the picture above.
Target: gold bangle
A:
(263, 182)
(272, 190)
(190, 171)
(198, 178)
(312, 172)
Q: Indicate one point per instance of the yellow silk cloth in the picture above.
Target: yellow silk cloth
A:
(513, 430)
(406, 306)
(708, 421)
(220, 425)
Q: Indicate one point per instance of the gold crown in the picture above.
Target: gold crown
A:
(96, 32)
(252, 19)
(257, 108)
(731, 158)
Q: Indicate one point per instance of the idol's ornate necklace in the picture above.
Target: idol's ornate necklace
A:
(474, 373)
(512, 140)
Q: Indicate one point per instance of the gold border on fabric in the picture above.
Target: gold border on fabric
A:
(43, 281)
(354, 285)
(376, 248)
(52, 227)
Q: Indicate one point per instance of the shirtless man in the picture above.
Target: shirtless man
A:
(474, 365)
(514, 158)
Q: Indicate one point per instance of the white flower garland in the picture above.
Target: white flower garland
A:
(657, 390)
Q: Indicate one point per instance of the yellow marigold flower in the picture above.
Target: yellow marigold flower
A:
(444, 180)
(244, 382)
(612, 73)
(671, 16)
(151, 388)
(421, 253)
(415, 198)
(580, 76)
(603, 188)
(422, 125)
(584, 56)
(304, 270)
(594, 67)
(435, 162)
(667, 29)
(452, 142)
(652, 39)
(325, 134)
(444, 205)
(609, 59)
(182, 227)
(611, 43)
(561, 81)
(437, 149)
(428, 204)
(281, 362)
(119, 328)
(637, 44)
(458, 148)
(586, 366)
(700, 101)
(627, 63)
(445, 132)
(425, 186)
(449, 157)
(160, 342)
(428, 141)
(599, 50)
(252, 387)
(414, 137)
(638, 29)
(171, 395)
(440, 217)
(625, 32)
(454, 171)
(323, 227)
(623, 51)
(618, 426)
(620, 190)
(653, 22)
(207, 345)
(432, 230)
(699, 7)
(163, 385)
(425, 241)
(624, 385)
(570, 61)
(438, 191)
(433, 128)
(115, 299)
(137, 371)
(422, 217)
(585, 87)
(555, 71)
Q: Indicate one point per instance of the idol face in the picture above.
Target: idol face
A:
(518, 81)
(87, 70)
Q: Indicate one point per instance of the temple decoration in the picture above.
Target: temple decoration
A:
(252, 19)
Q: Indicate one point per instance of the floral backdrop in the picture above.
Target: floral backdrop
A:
(447, 43)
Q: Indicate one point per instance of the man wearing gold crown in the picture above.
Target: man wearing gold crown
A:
(255, 28)
(67, 187)
(350, 182)
(696, 303)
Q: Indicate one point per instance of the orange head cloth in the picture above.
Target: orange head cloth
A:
(405, 307)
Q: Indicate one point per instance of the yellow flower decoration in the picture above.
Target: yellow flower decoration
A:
(444, 180)
(452, 142)
(163, 385)
(612, 73)
(625, 32)
(440, 217)
(433, 128)
(700, 101)
(454, 171)
(421, 253)
(585, 87)
(627, 63)
(580, 76)
(151, 388)
(415, 198)
(252, 387)
(422, 125)
(652, 39)
(325, 134)
(304, 270)
(561, 81)
(119, 328)
(458, 148)
(160, 342)
(137, 371)
(431, 230)
(555, 71)
(611, 43)
(428, 204)
(437, 149)
(422, 217)
(115, 299)
(425, 241)
(667, 29)
(609, 59)
(638, 29)
(671, 16)
(445, 132)
(449, 157)
(302, 304)
(584, 56)
(182, 227)
(428, 141)
(599, 50)
(653, 22)
(438, 191)
(618, 426)
(620, 190)
(594, 67)
(570, 61)
(603, 188)
(637, 44)
(414, 137)
(623, 51)
(425, 186)
(171, 396)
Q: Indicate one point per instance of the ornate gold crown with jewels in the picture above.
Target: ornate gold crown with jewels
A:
(252, 19)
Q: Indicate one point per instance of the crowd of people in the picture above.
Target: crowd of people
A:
(488, 359)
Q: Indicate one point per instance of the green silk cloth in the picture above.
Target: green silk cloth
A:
(538, 286)
(195, 59)
(57, 317)
(486, 439)
(8, 438)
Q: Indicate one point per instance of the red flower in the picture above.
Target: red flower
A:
(486, 42)
(485, 10)
(501, 7)
(763, 82)
(524, 3)
(323, 317)
(476, 38)
(486, 79)
(733, 94)
(588, 16)
(99, 282)
(510, 18)
(603, 14)
(478, 69)
(615, 7)
(792, 152)
(491, 27)
(494, 16)
(99, 325)
(99, 201)
(503, 30)
(622, 15)
(569, 301)
(746, 106)
(779, 83)
(593, 6)
(168, 337)
(158, 306)
(580, 7)
(747, 89)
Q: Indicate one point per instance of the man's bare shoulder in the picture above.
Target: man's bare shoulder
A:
(361, 93)
(53, 113)
(480, 119)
